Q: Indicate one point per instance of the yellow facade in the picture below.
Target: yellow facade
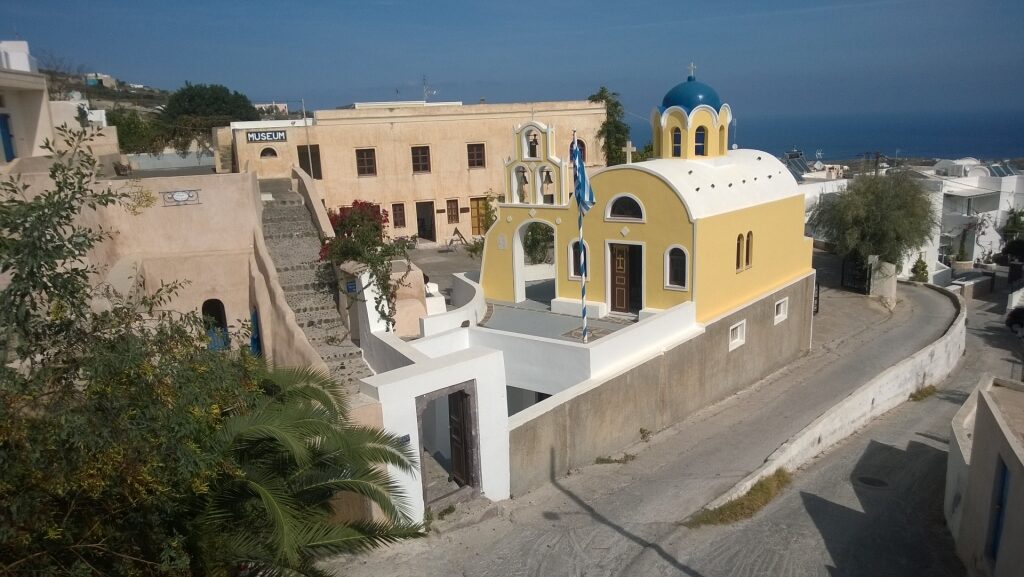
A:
(716, 123)
(781, 253)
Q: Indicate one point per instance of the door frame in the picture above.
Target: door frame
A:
(422, 401)
(7, 138)
(608, 271)
(433, 217)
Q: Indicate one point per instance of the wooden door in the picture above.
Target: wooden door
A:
(460, 431)
(477, 213)
(620, 278)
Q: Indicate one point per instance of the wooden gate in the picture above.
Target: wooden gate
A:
(460, 425)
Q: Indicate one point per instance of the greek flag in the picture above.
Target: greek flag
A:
(584, 194)
(585, 200)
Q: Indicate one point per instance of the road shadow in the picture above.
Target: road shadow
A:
(901, 530)
(597, 516)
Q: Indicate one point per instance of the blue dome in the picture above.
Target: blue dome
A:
(690, 94)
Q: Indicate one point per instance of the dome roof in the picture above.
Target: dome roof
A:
(690, 94)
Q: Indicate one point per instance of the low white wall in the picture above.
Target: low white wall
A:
(442, 343)
(536, 363)
(543, 271)
(383, 351)
(471, 303)
(397, 391)
(959, 459)
(929, 366)
(1014, 299)
(637, 342)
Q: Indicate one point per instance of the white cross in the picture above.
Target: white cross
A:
(629, 149)
(693, 69)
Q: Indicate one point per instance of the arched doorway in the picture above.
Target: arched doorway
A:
(216, 324)
(533, 254)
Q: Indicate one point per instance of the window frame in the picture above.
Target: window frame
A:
(413, 151)
(611, 203)
(470, 154)
(781, 316)
(749, 251)
(677, 142)
(741, 335)
(739, 253)
(271, 149)
(359, 162)
(685, 287)
(573, 261)
(448, 210)
(395, 213)
(700, 145)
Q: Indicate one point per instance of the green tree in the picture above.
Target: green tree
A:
(194, 110)
(137, 132)
(887, 215)
(614, 131)
(129, 448)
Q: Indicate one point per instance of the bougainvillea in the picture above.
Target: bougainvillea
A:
(361, 236)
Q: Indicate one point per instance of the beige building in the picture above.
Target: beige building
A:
(430, 165)
(24, 106)
(984, 503)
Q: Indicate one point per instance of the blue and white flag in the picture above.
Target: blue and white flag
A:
(584, 194)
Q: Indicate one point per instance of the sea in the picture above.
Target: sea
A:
(990, 136)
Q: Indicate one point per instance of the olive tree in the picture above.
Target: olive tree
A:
(889, 216)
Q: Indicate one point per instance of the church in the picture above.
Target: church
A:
(700, 223)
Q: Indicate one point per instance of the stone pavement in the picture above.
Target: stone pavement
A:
(873, 505)
(615, 519)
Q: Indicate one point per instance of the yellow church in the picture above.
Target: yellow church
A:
(721, 228)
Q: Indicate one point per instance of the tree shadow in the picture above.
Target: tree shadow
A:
(597, 516)
(901, 530)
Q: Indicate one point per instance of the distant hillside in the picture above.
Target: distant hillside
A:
(102, 97)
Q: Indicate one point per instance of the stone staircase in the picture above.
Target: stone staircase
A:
(309, 286)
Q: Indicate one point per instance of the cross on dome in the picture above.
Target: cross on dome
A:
(693, 69)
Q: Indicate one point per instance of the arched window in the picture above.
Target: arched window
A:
(579, 252)
(677, 143)
(532, 144)
(268, 153)
(216, 324)
(750, 247)
(626, 207)
(700, 142)
(721, 140)
(675, 268)
(739, 253)
(583, 149)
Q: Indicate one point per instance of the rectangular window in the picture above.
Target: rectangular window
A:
(781, 310)
(453, 211)
(475, 154)
(398, 215)
(309, 160)
(420, 159)
(737, 335)
(366, 162)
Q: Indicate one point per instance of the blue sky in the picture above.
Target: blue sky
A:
(768, 59)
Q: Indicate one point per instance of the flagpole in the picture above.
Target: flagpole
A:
(583, 247)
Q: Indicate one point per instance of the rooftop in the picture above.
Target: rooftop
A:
(1010, 402)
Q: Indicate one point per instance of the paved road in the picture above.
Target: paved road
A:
(836, 520)
(623, 519)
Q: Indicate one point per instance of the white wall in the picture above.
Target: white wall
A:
(397, 391)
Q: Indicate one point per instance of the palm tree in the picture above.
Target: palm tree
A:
(267, 513)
